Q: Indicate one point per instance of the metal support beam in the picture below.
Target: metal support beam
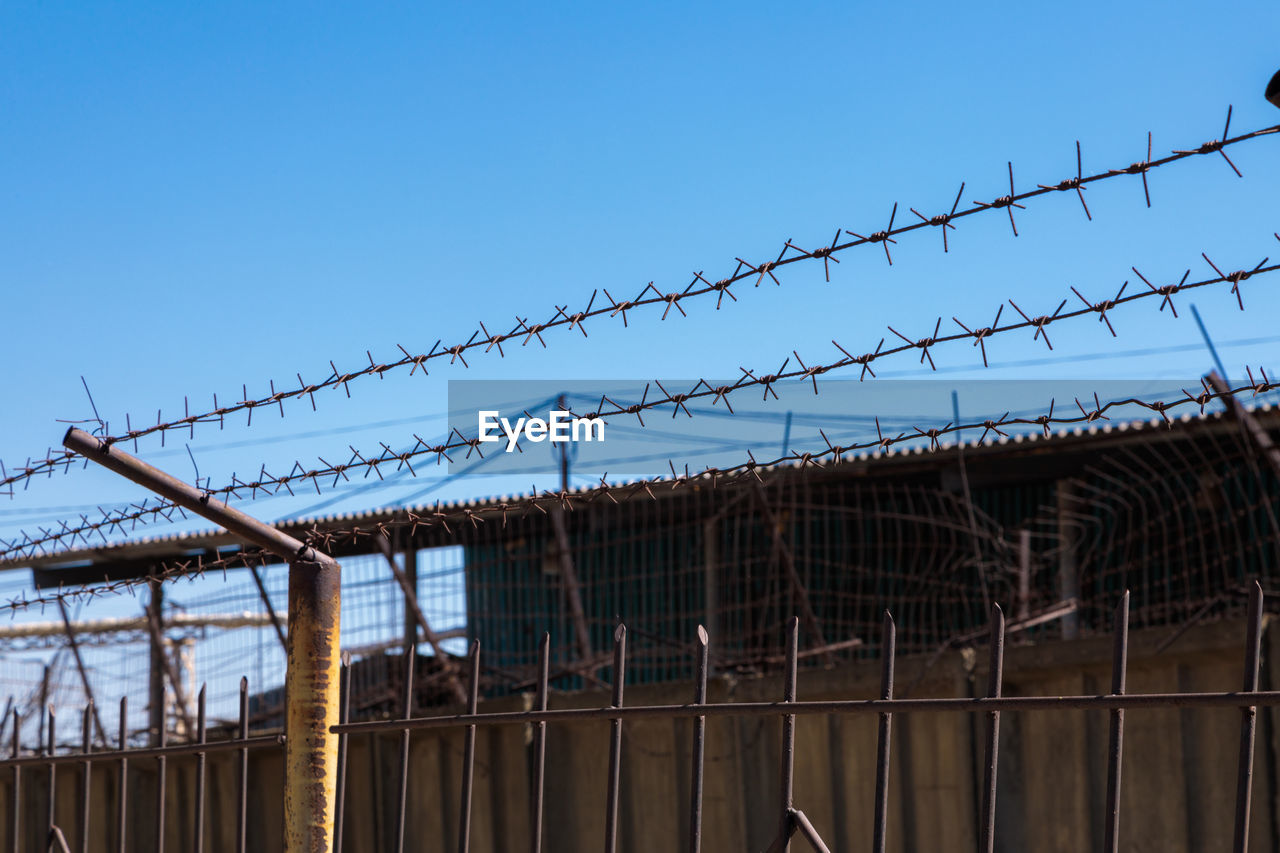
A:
(311, 681)
(793, 575)
(572, 587)
(84, 675)
(415, 612)
(1068, 562)
(156, 627)
(1024, 573)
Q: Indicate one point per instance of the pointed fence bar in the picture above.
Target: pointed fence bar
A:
(1248, 720)
(52, 822)
(888, 646)
(699, 742)
(409, 655)
(201, 737)
(86, 746)
(469, 753)
(344, 715)
(1115, 740)
(540, 742)
(161, 772)
(15, 786)
(242, 809)
(122, 798)
(615, 740)
(787, 825)
(995, 682)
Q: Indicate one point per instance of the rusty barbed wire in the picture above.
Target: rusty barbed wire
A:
(325, 539)
(128, 518)
(649, 296)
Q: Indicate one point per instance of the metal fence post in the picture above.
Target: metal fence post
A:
(311, 682)
(311, 706)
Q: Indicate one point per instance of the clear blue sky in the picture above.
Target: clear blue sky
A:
(199, 197)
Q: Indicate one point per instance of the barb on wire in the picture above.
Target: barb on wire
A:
(1009, 202)
(699, 285)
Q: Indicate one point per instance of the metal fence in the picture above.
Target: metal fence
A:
(318, 719)
(55, 766)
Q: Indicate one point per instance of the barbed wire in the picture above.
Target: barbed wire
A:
(128, 518)
(699, 286)
(833, 454)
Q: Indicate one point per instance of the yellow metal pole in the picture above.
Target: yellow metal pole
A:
(311, 707)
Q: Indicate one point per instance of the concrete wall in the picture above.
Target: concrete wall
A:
(1178, 781)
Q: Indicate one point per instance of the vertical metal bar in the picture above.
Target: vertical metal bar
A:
(1068, 558)
(122, 800)
(615, 740)
(469, 753)
(1115, 742)
(1024, 573)
(15, 782)
(75, 654)
(155, 682)
(86, 745)
(699, 742)
(1248, 720)
(53, 774)
(44, 703)
(888, 647)
(162, 770)
(242, 810)
(407, 706)
(201, 735)
(155, 624)
(793, 573)
(785, 825)
(540, 740)
(995, 679)
(344, 715)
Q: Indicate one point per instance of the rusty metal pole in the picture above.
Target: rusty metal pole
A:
(311, 683)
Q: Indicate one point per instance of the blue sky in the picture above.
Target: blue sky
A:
(197, 198)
